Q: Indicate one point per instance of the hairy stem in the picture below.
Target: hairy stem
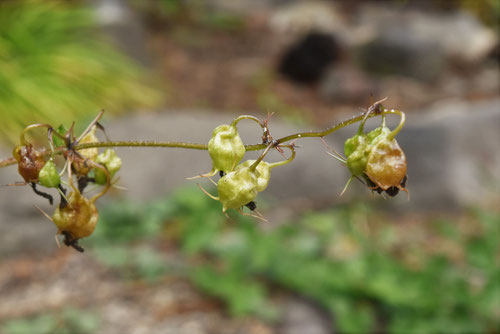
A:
(254, 147)
(135, 143)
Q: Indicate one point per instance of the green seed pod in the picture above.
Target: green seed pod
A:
(111, 161)
(237, 188)
(355, 151)
(354, 143)
(226, 148)
(380, 132)
(264, 170)
(78, 218)
(48, 176)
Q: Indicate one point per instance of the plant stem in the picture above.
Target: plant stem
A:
(254, 147)
(337, 127)
(250, 117)
(7, 162)
(135, 143)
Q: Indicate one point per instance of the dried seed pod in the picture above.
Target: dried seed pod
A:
(30, 162)
(386, 164)
(80, 163)
(78, 218)
(226, 148)
(48, 176)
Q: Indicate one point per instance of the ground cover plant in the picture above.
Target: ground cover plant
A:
(369, 273)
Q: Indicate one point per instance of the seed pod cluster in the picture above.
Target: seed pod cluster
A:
(239, 183)
(76, 216)
(377, 158)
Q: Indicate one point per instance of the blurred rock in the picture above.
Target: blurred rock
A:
(22, 227)
(345, 83)
(123, 27)
(454, 155)
(299, 17)
(307, 60)
(401, 52)
(419, 43)
(394, 39)
(300, 317)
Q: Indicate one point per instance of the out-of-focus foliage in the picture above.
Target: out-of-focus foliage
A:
(69, 321)
(55, 69)
(194, 13)
(354, 267)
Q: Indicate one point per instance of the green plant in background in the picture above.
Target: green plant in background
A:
(69, 321)
(190, 13)
(358, 272)
(54, 67)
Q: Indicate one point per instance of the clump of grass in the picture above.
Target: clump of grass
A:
(55, 69)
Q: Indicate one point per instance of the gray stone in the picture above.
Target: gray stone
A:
(300, 317)
(22, 227)
(421, 44)
(123, 27)
(345, 83)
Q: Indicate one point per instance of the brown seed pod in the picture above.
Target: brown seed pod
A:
(30, 162)
(78, 218)
(386, 166)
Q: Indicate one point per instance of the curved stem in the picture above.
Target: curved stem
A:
(335, 128)
(108, 180)
(401, 122)
(284, 162)
(70, 177)
(50, 135)
(250, 117)
(31, 127)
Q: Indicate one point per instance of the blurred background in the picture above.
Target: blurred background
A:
(163, 258)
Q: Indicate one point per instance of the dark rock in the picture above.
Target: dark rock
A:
(308, 59)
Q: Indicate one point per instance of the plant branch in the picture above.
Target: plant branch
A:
(254, 147)
(193, 146)
(7, 162)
